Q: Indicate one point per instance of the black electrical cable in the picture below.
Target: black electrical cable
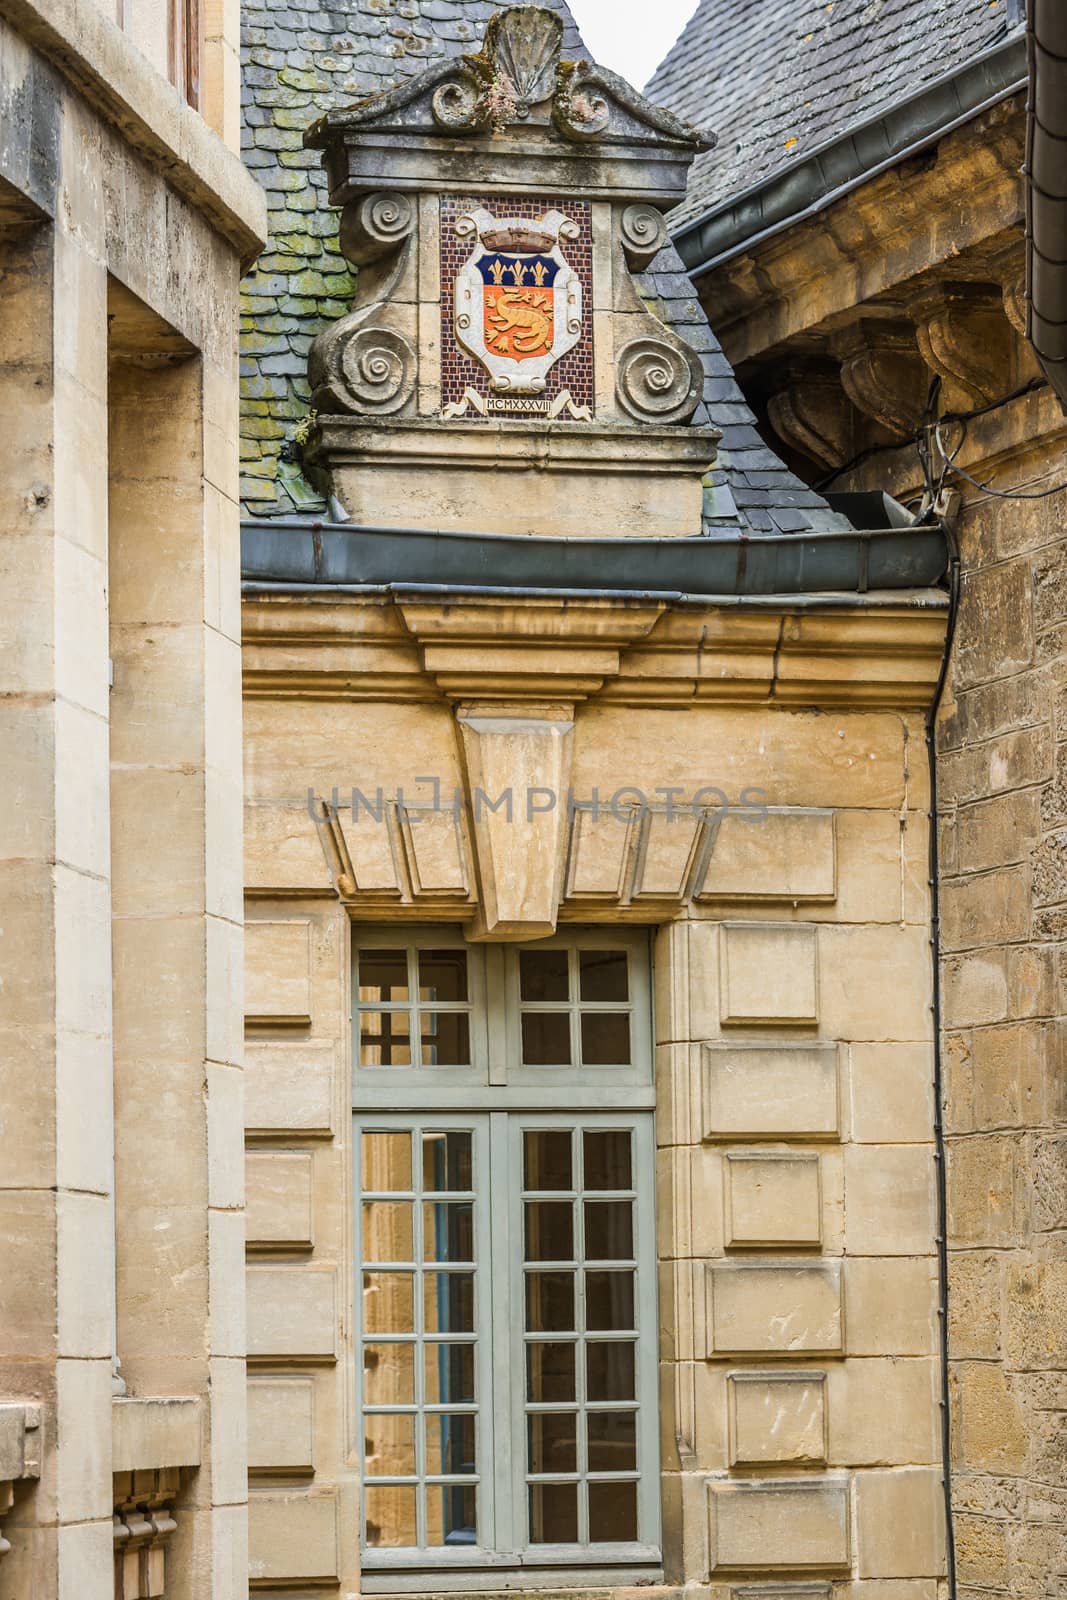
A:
(902, 440)
(998, 494)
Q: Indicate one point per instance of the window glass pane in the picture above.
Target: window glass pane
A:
(448, 1302)
(547, 1160)
(446, 1162)
(446, 1039)
(609, 1230)
(603, 975)
(450, 1443)
(609, 1301)
(612, 1512)
(549, 1230)
(546, 1038)
(389, 1302)
(390, 1512)
(390, 1444)
(384, 1039)
(549, 1302)
(605, 1038)
(553, 1441)
(543, 975)
(450, 1514)
(448, 1230)
(382, 975)
(388, 1230)
(606, 1159)
(550, 1372)
(449, 1373)
(612, 1441)
(443, 974)
(386, 1161)
(610, 1370)
(389, 1374)
(553, 1513)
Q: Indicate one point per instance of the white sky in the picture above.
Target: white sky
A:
(631, 36)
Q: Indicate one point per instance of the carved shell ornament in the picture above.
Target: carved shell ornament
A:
(525, 46)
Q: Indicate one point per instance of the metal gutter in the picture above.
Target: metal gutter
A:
(734, 566)
(1046, 189)
(862, 152)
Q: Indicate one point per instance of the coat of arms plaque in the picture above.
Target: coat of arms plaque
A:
(518, 301)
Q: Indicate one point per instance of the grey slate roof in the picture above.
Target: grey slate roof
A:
(775, 79)
(302, 57)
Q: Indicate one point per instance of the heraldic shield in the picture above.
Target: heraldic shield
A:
(518, 302)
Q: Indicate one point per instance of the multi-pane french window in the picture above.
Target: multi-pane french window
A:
(506, 1317)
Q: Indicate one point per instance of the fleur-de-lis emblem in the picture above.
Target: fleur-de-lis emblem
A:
(496, 271)
(540, 273)
(518, 272)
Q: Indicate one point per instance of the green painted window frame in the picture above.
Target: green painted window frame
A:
(498, 1100)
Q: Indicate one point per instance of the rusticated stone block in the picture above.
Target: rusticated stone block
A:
(1037, 1315)
(983, 1190)
(768, 973)
(774, 1308)
(772, 1200)
(292, 1537)
(761, 1526)
(992, 1427)
(777, 1418)
(981, 1551)
(771, 1091)
(974, 1288)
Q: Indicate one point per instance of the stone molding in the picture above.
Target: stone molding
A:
(106, 67)
(20, 1453)
(885, 650)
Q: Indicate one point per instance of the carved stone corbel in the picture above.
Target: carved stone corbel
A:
(643, 234)
(1015, 298)
(963, 335)
(143, 1524)
(517, 770)
(811, 412)
(20, 1454)
(365, 363)
(882, 372)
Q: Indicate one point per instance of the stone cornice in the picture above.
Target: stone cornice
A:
(906, 221)
(107, 68)
(840, 650)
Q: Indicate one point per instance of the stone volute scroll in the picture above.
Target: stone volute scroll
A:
(500, 369)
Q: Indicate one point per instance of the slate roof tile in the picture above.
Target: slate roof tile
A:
(775, 79)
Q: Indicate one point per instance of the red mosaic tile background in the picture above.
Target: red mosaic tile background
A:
(573, 371)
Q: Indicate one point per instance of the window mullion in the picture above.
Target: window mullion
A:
(501, 1364)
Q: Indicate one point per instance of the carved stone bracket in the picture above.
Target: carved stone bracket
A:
(20, 1454)
(658, 380)
(643, 233)
(964, 336)
(376, 226)
(143, 1524)
(882, 372)
(365, 363)
(811, 413)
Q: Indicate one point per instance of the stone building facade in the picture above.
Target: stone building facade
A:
(840, 295)
(126, 219)
(585, 811)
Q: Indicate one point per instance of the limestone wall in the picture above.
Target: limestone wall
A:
(796, 1208)
(119, 842)
(1002, 797)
